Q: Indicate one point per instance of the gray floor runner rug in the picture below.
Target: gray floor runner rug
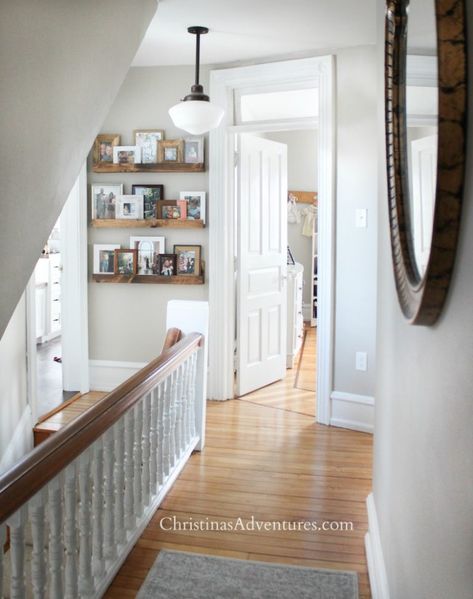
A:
(179, 575)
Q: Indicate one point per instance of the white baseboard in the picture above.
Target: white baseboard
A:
(21, 442)
(349, 410)
(374, 554)
(105, 375)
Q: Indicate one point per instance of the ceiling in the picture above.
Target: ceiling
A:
(242, 30)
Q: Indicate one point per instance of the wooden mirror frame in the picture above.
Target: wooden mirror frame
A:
(422, 297)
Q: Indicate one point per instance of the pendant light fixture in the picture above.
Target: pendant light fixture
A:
(195, 113)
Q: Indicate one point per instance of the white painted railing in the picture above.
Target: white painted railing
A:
(77, 504)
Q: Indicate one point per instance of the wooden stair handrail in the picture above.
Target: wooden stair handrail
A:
(48, 459)
(172, 337)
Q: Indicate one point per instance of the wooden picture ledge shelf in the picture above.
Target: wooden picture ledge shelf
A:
(153, 223)
(151, 279)
(162, 167)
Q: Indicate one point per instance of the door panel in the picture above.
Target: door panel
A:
(262, 256)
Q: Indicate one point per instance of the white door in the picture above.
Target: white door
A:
(261, 198)
(424, 180)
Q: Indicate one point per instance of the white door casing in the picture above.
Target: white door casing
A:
(261, 262)
(224, 85)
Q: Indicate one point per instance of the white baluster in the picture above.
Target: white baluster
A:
(86, 582)
(56, 545)
(17, 554)
(70, 531)
(167, 427)
(192, 393)
(179, 409)
(172, 417)
(146, 449)
(98, 565)
(186, 400)
(160, 433)
(120, 536)
(3, 538)
(38, 557)
(130, 518)
(137, 458)
(110, 549)
(153, 449)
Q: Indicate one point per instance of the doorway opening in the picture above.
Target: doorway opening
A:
(57, 320)
(231, 89)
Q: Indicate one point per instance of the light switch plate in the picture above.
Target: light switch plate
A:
(361, 361)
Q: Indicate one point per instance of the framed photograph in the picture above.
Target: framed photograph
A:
(125, 262)
(104, 258)
(103, 148)
(187, 259)
(171, 150)
(195, 204)
(126, 155)
(147, 140)
(152, 194)
(172, 210)
(149, 249)
(130, 207)
(167, 265)
(194, 149)
(104, 198)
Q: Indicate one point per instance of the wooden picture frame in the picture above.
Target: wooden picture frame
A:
(165, 212)
(147, 140)
(167, 265)
(125, 268)
(171, 150)
(188, 259)
(152, 194)
(102, 152)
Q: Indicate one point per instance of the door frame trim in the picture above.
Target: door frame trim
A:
(223, 84)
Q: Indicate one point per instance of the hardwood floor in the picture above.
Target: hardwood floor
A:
(266, 458)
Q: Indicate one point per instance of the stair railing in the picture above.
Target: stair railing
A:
(79, 501)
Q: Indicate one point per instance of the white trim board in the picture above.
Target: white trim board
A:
(374, 554)
(105, 375)
(224, 85)
(349, 410)
(21, 442)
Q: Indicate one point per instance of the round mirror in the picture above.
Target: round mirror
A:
(425, 64)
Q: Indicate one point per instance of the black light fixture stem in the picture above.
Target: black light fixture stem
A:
(197, 91)
(197, 58)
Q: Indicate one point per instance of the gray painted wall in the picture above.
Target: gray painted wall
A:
(423, 487)
(301, 176)
(128, 322)
(356, 259)
(60, 68)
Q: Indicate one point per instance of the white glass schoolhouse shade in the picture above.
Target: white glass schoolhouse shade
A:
(196, 116)
(195, 113)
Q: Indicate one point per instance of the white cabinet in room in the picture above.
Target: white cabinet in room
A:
(48, 297)
(295, 318)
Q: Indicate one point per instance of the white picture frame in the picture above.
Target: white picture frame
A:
(148, 248)
(128, 152)
(129, 207)
(104, 258)
(147, 140)
(195, 204)
(103, 200)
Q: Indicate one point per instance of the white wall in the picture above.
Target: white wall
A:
(128, 322)
(423, 488)
(302, 176)
(61, 64)
(15, 426)
(356, 259)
